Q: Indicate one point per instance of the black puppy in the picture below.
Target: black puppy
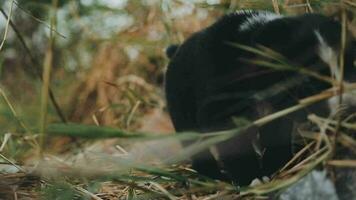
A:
(209, 81)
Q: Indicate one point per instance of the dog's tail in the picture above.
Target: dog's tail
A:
(171, 50)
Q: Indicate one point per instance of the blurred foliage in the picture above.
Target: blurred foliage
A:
(109, 57)
(108, 65)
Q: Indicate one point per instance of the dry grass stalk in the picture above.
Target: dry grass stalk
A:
(7, 25)
(342, 163)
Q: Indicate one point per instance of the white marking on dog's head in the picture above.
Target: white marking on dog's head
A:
(259, 17)
(328, 55)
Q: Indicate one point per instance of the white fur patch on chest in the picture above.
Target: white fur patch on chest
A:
(349, 100)
(259, 17)
(328, 55)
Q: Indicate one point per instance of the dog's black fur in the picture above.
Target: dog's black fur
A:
(209, 81)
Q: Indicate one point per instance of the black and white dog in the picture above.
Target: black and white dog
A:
(209, 81)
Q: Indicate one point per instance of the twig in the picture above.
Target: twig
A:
(7, 25)
(46, 80)
(341, 62)
(275, 6)
(95, 119)
(13, 111)
(35, 64)
(12, 163)
(342, 163)
(133, 110)
(290, 162)
(86, 192)
(347, 142)
(308, 159)
(39, 20)
(280, 184)
(6, 138)
(309, 6)
(350, 3)
(164, 191)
